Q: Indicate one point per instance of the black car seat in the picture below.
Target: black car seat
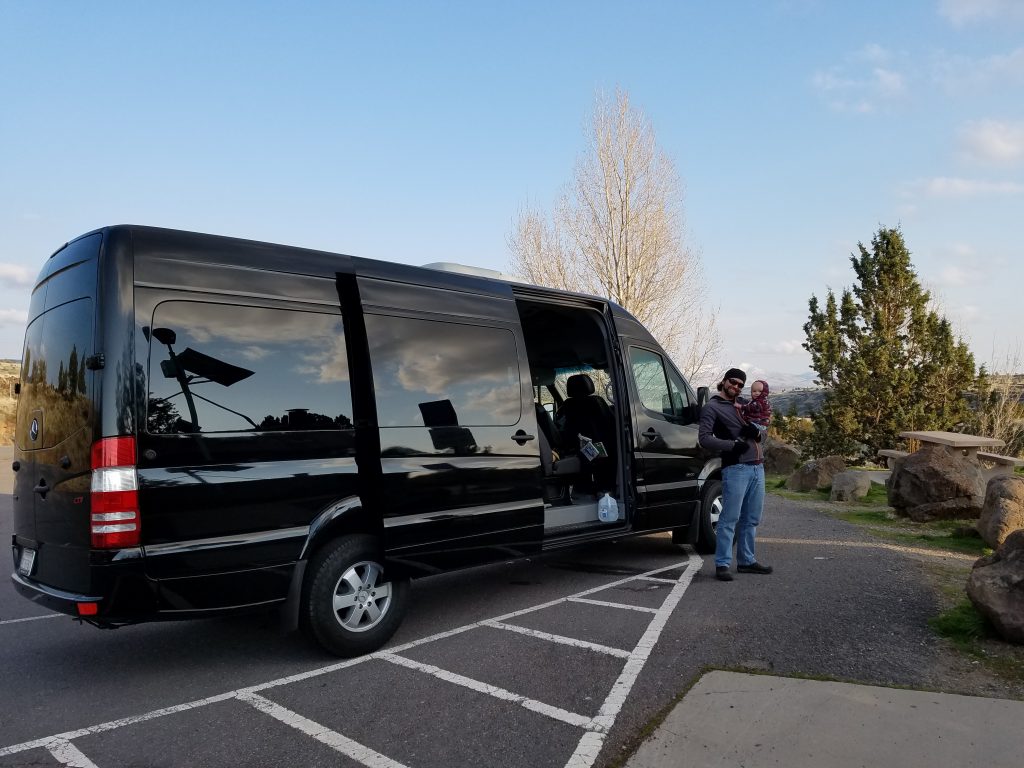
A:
(585, 413)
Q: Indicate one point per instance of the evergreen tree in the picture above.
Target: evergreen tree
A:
(889, 362)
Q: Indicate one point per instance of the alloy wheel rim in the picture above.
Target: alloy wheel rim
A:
(716, 510)
(361, 597)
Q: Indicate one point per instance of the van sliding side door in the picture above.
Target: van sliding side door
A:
(460, 463)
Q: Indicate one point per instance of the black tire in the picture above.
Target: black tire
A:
(710, 506)
(347, 606)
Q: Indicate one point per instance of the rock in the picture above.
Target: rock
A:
(816, 475)
(936, 483)
(780, 458)
(1003, 510)
(996, 587)
(850, 486)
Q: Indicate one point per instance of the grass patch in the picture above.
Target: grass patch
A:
(963, 626)
(946, 535)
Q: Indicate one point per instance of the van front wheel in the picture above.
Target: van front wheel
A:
(710, 510)
(349, 606)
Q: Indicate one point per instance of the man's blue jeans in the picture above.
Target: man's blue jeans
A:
(742, 503)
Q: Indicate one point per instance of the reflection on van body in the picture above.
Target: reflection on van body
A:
(208, 424)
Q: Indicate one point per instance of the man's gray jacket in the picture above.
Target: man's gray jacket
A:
(720, 425)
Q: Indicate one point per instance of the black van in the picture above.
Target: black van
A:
(208, 424)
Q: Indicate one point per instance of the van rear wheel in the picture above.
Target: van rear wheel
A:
(349, 606)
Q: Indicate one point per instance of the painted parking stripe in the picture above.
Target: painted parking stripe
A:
(114, 724)
(68, 754)
(658, 579)
(607, 604)
(692, 565)
(559, 639)
(323, 734)
(557, 713)
(590, 744)
(33, 618)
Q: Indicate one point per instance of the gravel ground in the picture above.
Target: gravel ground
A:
(841, 605)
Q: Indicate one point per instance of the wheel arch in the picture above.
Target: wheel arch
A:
(343, 517)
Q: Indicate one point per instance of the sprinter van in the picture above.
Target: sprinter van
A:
(208, 425)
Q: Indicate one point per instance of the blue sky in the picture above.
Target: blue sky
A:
(413, 132)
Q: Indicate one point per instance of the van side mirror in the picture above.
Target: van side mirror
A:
(703, 395)
(164, 335)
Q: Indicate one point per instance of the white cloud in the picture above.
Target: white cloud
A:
(16, 275)
(865, 79)
(952, 275)
(993, 142)
(969, 312)
(963, 73)
(950, 187)
(790, 347)
(962, 12)
(13, 317)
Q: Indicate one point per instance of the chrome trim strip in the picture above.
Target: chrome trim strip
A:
(219, 542)
(447, 514)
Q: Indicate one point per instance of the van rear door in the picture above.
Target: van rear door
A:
(55, 420)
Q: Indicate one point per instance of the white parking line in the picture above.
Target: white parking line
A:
(606, 604)
(557, 713)
(33, 618)
(68, 754)
(586, 752)
(323, 734)
(659, 579)
(559, 639)
(590, 744)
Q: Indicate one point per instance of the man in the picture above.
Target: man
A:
(723, 428)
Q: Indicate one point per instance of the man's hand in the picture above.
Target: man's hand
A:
(738, 447)
(749, 430)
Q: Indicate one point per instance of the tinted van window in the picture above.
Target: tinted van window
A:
(55, 385)
(227, 368)
(437, 374)
(662, 392)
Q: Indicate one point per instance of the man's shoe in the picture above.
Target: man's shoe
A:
(754, 568)
(722, 573)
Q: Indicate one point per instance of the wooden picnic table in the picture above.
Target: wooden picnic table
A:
(969, 444)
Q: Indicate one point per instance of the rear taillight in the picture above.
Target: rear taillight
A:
(115, 494)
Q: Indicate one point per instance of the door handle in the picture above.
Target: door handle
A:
(522, 437)
(651, 434)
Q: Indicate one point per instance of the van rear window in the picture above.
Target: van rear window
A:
(55, 385)
(229, 368)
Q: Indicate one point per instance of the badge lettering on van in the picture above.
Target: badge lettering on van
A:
(33, 430)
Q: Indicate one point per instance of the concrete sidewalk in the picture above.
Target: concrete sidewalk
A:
(733, 719)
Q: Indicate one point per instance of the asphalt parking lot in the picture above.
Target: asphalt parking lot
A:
(558, 661)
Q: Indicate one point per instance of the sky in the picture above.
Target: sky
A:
(415, 132)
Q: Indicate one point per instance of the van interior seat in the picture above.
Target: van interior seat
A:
(584, 413)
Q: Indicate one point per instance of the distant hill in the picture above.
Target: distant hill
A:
(807, 401)
(10, 372)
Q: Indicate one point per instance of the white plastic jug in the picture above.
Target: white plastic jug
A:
(607, 509)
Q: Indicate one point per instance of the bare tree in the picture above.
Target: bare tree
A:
(618, 231)
(999, 411)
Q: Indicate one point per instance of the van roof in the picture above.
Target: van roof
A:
(172, 244)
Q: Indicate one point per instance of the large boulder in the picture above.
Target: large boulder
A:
(1003, 510)
(996, 587)
(936, 483)
(780, 458)
(850, 486)
(816, 475)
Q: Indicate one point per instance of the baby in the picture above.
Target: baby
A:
(759, 410)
